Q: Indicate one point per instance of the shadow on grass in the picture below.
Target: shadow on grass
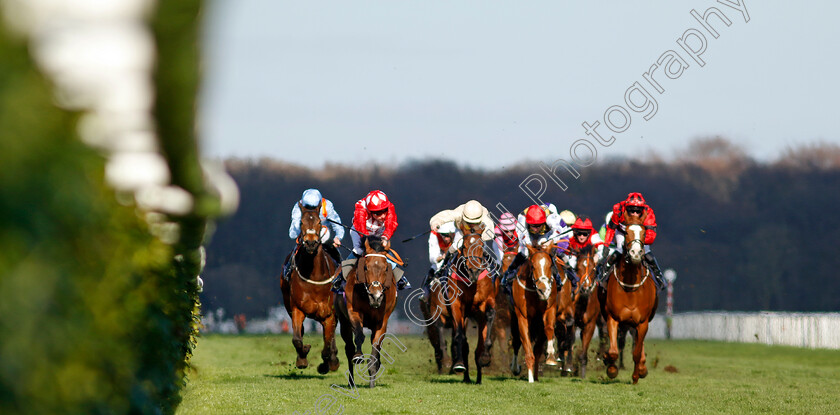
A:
(295, 376)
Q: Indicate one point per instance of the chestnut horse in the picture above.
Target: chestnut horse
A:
(535, 301)
(587, 307)
(475, 296)
(369, 298)
(307, 293)
(629, 299)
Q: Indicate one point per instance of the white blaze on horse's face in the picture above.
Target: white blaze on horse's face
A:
(635, 235)
(376, 294)
(542, 276)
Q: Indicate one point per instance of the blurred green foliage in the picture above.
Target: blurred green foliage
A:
(96, 315)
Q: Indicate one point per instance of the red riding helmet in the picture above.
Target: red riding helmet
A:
(535, 215)
(635, 199)
(376, 200)
(583, 224)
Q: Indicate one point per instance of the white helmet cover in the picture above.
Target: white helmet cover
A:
(473, 211)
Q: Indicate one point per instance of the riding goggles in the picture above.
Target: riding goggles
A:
(635, 210)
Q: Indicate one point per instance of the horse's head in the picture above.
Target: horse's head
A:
(377, 271)
(634, 242)
(472, 254)
(586, 263)
(542, 266)
(310, 228)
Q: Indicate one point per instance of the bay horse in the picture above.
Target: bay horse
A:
(307, 293)
(535, 301)
(629, 299)
(501, 327)
(369, 299)
(475, 296)
(565, 322)
(587, 307)
(435, 310)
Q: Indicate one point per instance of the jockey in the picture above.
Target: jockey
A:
(311, 198)
(466, 216)
(635, 206)
(539, 233)
(584, 236)
(373, 216)
(507, 238)
(439, 243)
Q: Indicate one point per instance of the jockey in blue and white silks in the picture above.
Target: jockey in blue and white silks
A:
(312, 198)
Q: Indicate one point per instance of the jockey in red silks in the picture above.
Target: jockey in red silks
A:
(374, 216)
(540, 233)
(583, 237)
(635, 206)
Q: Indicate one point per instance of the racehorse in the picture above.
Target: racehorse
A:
(629, 299)
(369, 298)
(475, 296)
(588, 308)
(535, 300)
(307, 293)
(565, 322)
(436, 313)
(501, 326)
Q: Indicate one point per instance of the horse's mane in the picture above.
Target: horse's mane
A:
(375, 243)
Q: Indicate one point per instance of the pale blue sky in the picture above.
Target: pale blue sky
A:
(489, 83)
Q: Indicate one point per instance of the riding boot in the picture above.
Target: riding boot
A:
(346, 266)
(573, 278)
(606, 268)
(402, 280)
(507, 278)
(651, 262)
(287, 269)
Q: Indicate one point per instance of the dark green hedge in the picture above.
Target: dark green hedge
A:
(96, 315)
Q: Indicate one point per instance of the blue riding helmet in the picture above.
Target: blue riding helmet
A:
(311, 198)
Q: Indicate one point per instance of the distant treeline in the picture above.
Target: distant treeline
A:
(741, 234)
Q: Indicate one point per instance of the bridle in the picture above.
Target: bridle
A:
(376, 284)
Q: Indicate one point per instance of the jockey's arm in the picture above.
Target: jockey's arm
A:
(294, 228)
(332, 215)
(449, 215)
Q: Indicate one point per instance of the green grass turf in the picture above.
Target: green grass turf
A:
(256, 375)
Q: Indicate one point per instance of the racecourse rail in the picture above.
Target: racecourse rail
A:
(808, 330)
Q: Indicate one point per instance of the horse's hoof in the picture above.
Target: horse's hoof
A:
(612, 372)
(635, 379)
(484, 360)
(550, 361)
(334, 365)
(323, 368)
(643, 372)
(301, 363)
(459, 367)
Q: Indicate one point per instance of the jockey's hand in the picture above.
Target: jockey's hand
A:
(440, 257)
(386, 243)
(336, 242)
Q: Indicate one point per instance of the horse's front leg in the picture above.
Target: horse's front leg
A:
(459, 334)
(612, 353)
(328, 354)
(515, 343)
(586, 333)
(375, 366)
(525, 340)
(487, 335)
(640, 370)
(297, 338)
(549, 320)
(358, 333)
